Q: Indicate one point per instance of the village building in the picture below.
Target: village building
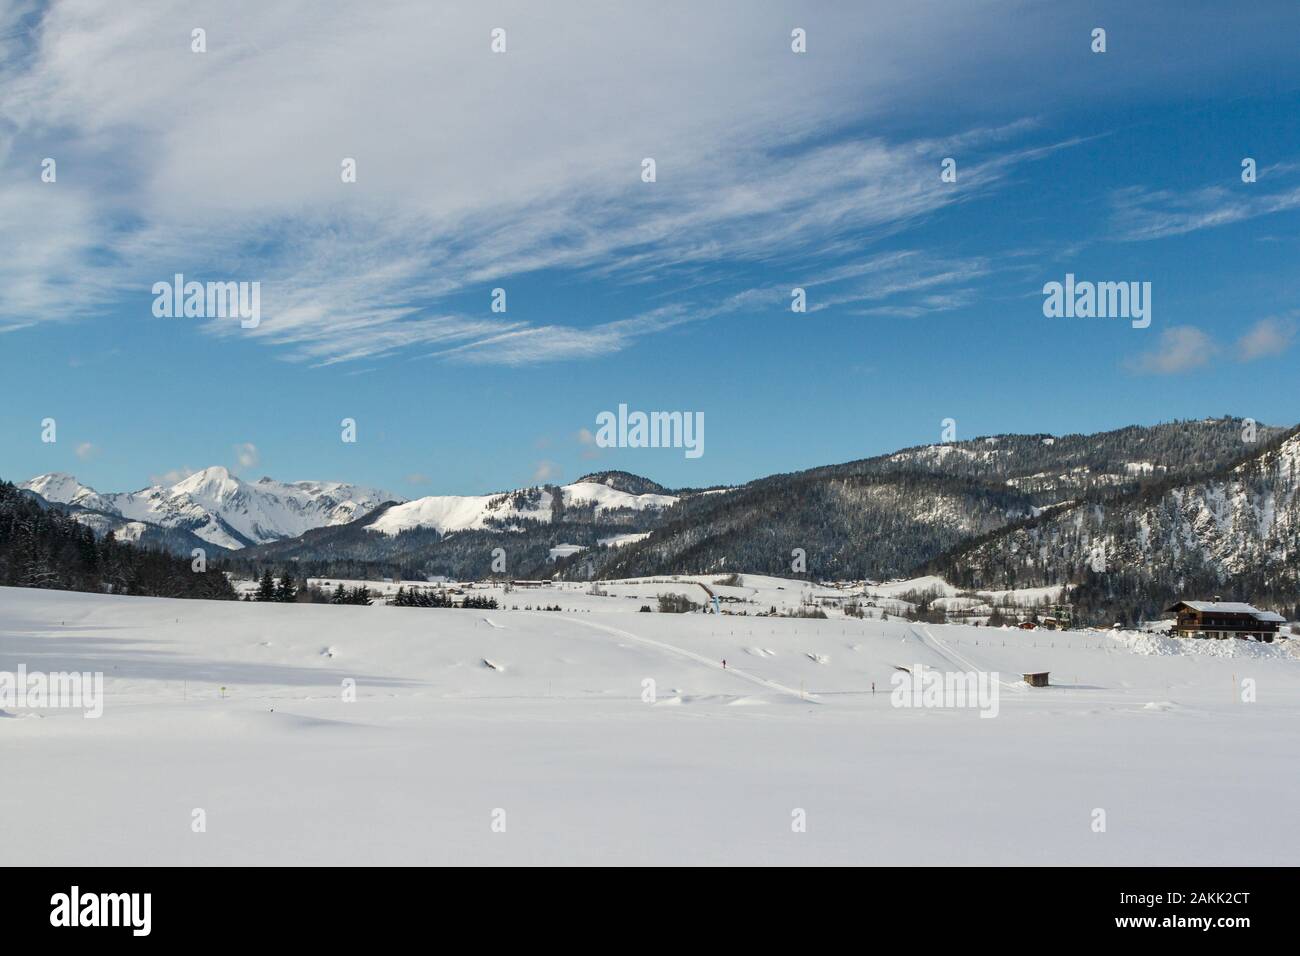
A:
(1221, 619)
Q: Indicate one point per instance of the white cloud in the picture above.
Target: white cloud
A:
(173, 476)
(246, 454)
(85, 451)
(1266, 338)
(1180, 349)
(1185, 348)
(587, 439)
(545, 471)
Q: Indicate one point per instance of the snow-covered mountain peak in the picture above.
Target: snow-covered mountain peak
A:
(61, 488)
(213, 484)
(222, 508)
(57, 486)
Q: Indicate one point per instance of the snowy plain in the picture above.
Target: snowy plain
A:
(461, 714)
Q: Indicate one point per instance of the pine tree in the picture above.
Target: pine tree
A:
(286, 591)
(266, 589)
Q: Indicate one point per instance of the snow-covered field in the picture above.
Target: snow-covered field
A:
(465, 718)
(752, 594)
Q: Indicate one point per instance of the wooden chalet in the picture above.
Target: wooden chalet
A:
(1220, 619)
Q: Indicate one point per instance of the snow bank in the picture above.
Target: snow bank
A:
(1157, 645)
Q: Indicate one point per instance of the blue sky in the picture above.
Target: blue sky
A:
(522, 171)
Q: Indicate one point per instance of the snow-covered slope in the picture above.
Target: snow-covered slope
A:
(1241, 521)
(598, 734)
(448, 513)
(220, 508)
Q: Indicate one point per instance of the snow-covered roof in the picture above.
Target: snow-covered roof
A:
(1230, 607)
(1223, 607)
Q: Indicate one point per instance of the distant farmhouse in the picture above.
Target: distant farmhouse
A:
(1220, 619)
(1061, 618)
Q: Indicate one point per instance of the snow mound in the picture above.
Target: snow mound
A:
(1157, 645)
(493, 665)
(819, 658)
(760, 651)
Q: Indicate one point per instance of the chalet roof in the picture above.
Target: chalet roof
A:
(1228, 607)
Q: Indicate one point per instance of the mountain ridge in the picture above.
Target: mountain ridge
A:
(969, 510)
(216, 506)
(888, 515)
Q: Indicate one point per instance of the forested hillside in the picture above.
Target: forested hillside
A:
(1233, 532)
(42, 547)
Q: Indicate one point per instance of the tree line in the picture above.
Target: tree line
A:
(287, 590)
(438, 597)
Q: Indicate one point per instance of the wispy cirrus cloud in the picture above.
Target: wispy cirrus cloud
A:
(203, 170)
(1139, 214)
(906, 283)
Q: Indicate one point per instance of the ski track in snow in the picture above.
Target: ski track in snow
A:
(927, 638)
(698, 658)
